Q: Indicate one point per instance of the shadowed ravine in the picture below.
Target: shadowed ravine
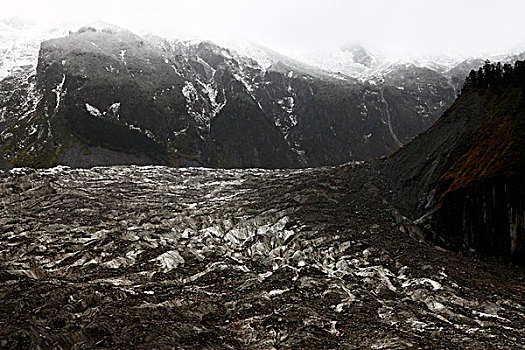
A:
(156, 257)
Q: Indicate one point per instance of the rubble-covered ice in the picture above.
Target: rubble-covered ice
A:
(253, 259)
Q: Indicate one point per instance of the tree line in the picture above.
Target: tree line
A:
(493, 75)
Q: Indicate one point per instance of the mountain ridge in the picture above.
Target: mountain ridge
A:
(462, 178)
(187, 90)
(307, 116)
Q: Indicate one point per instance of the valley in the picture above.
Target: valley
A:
(182, 193)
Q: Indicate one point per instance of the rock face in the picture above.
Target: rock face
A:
(104, 96)
(466, 173)
(254, 259)
(488, 216)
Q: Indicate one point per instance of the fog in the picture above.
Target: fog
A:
(407, 27)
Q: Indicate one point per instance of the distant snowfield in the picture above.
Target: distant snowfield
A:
(20, 42)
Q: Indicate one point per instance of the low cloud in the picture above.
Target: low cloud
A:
(407, 27)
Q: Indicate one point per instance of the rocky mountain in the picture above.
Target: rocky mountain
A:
(367, 65)
(464, 176)
(103, 95)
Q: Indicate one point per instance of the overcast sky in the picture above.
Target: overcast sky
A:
(292, 26)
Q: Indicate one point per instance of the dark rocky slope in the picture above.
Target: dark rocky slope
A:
(466, 173)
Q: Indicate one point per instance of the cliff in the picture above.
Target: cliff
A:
(463, 178)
